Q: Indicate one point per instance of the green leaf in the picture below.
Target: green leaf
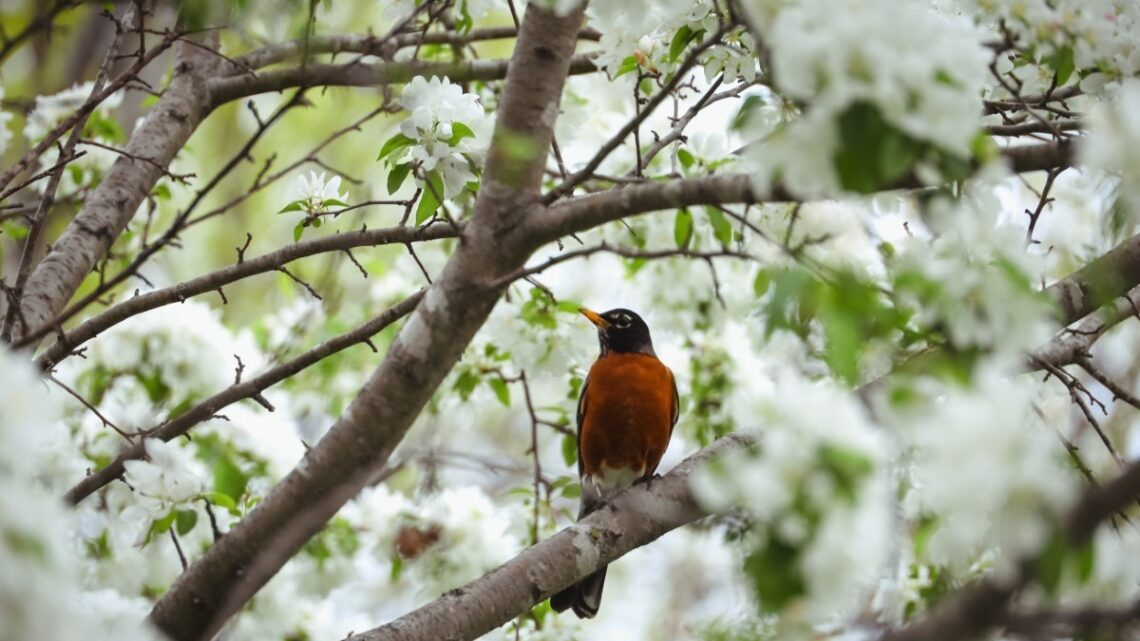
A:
(844, 344)
(466, 383)
(686, 158)
(762, 282)
(568, 306)
(861, 128)
(162, 525)
(397, 176)
(220, 500)
(430, 199)
(722, 229)
(459, 131)
(296, 205)
(1062, 63)
(397, 568)
(1051, 563)
(161, 192)
(298, 230)
(681, 39)
(502, 391)
(897, 154)
(330, 202)
(570, 449)
(683, 227)
(1084, 560)
(627, 65)
(750, 104)
(775, 574)
(394, 144)
(229, 479)
(185, 520)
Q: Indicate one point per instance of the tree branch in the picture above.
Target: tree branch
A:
(362, 74)
(452, 310)
(636, 517)
(583, 212)
(68, 341)
(240, 390)
(113, 203)
(373, 46)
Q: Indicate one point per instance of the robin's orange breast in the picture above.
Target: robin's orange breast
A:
(628, 415)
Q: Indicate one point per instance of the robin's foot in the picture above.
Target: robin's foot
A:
(647, 480)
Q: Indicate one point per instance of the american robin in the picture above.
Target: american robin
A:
(626, 414)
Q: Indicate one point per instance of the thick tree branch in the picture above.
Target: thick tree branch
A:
(213, 281)
(1072, 344)
(1099, 282)
(453, 309)
(373, 46)
(362, 74)
(634, 518)
(111, 206)
(583, 212)
(249, 388)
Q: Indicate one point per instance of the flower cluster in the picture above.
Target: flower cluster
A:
(820, 474)
(883, 86)
(42, 574)
(986, 469)
(1113, 143)
(444, 138)
(1068, 35)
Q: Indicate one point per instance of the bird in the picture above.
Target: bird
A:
(626, 413)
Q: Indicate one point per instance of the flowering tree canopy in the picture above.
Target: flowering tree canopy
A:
(291, 346)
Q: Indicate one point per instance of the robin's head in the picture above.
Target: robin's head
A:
(620, 330)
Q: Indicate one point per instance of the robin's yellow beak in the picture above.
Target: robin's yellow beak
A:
(594, 317)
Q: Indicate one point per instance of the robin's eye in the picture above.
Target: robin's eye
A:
(621, 321)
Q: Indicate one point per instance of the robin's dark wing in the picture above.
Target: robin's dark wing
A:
(676, 410)
(581, 417)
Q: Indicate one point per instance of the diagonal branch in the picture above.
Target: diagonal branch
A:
(113, 203)
(213, 281)
(249, 388)
(452, 310)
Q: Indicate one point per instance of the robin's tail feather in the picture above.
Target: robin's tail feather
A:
(584, 596)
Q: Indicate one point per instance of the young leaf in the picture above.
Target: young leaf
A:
(298, 230)
(502, 391)
(570, 450)
(683, 227)
(296, 205)
(334, 202)
(459, 131)
(722, 229)
(430, 199)
(686, 158)
(185, 520)
(394, 144)
(397, 176)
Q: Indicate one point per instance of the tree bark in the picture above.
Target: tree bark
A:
(453, 309)
(108, 210)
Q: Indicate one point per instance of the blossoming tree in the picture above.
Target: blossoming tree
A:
(291, 343)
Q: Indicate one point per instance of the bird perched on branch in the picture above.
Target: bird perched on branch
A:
(626, 415)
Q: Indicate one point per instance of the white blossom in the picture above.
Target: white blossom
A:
(1113, 143)
(315, 191)
(919, 68)
(51, 110)
(435, 107)
(986, 467)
